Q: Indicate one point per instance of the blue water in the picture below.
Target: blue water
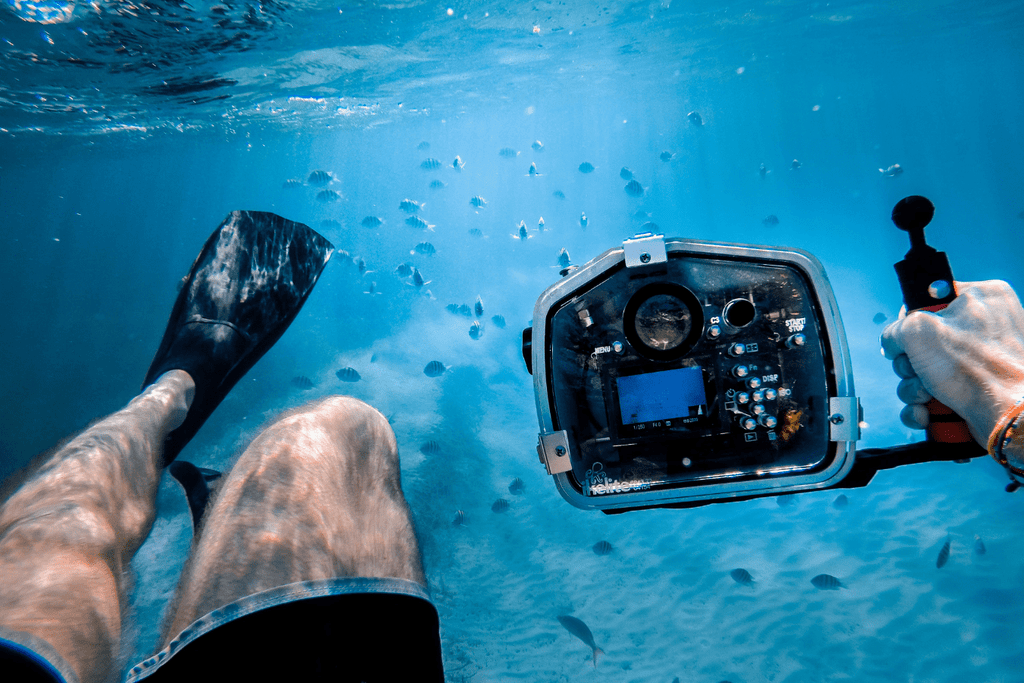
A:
(129, 131)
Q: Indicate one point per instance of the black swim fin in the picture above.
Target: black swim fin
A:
(243, 291)
(195, 481)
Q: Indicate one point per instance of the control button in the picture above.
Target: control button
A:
(767, 420)
(739, 312)
(758, 396)
(743, 398)
(796, 341)
(940, 289)
(748, 423)
(617, 347)
(737, 349)
(754, 382)
(770, 394)
(715, 331)
(740, 371)
(757, 409)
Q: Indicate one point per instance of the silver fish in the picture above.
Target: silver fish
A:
(602, 548)
(943, 557)
(540, 224)
(423, 146)
(476, 330)
(458, 164)
(508, 152)
(327, 196)
(419, 223)
(410, 206)
(563, 258)
(666, 156)
(533, 170)
(840, 502)
(649, 226)
(330, 224)
(517, 487)
(424, 248)
(586, 167)
(795, 165)
(500, 505)
(538, 146)
(742, 577)
(892, 171)
(465, 310)
(634, 188)
(303, 382)
(498, 320)
(417, 279)
(695, 118)
(478, 202)
(319, 178)
(291, 184)
(430, 164)
(348, 375)
(476, 232)
(770, 220)
(478, 308)
(404, 270)
(581, 631)
(583, 220)
(460, 518)
(763, 171)
(979, 545)
(372, 222)
(626, 174)
(430, 448)
(523, 235)
(436, 184)
(827, 582)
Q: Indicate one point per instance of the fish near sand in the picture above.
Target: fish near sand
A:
(348, 375)
(586, 167)
(563, 258)
(517, 487)
(372, 222)
(417, 279)
(430, 448)
(508, 153)
(532, 172)
(522, 234)
(827, 582)
(419, 223)
(302, 382)
(626, 174)
(498, 320)
(430, 164)
(327, 196)
(460, 518)
(476, 330)
(583, 220)
(424, 248)
(478, 202)
(319, 178)
(892, 171)
(558, 194)
(742, 577)
(666, 156)
(634, 188)
(423, 146)
(538, 146)
(770, 220)
(478, 307)
(410, 206)
(943, 557)
(602, 548)
(795, 165)
(979, 545)
(540, 224)
(763, 171)
(840, 502)
(437, 184)
(501, 505)
(458, 164)
(476, 232)
(581, 631)
(434, 368)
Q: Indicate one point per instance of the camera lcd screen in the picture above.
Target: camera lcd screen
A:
(657, 397)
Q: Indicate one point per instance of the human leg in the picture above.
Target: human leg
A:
(69, 531)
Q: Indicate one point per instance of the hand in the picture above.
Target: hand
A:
(970, 356)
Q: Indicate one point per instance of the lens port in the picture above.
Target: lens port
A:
(739, 312)
(663, 321)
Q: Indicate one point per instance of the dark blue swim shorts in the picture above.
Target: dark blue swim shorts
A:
(353, 629)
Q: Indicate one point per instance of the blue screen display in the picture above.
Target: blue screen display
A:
(666, 395)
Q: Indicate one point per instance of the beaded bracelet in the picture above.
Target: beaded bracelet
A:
(1007, 439)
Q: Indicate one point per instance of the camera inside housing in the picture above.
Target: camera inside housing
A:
(709, 373)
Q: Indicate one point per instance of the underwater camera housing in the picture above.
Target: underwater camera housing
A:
(676, 373)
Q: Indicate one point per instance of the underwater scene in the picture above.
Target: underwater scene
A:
(460, 157)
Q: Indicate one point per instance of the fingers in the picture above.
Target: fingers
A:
(911, 391)
(901, 366)
(914, 416)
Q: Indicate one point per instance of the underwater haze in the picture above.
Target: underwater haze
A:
(129, 130)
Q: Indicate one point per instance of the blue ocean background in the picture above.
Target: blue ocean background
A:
(129, 130)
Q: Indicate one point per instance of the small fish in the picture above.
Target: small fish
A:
(892, 171)
(404, 270)
(979, 545)
(795, 165)
(500, 505)
(581, 631)
(499, 321)
(840, 502)
(943, 557)
(558, 194)
(434, 368)
(430, 448)
(372, 291)
(626, 174)
(763, 171)
(586, 167)
(583, 220)
(695, 118)
(424, 248)
(437, 184)
(538, 146)
(417, 279)
(360, 264)
(460, 518)
(517, 487)
(563, 258)
(742, 577)
(330, 224)
(649, 226)
(291, 184)
(317, 178)
(423, 146)
(373, 358)
(348, 375)
(769, 220)
(419, 223)
(478, 307)
(478, 202)
(410, 206)
(879, 318)
(827, 582)
(452, 308)
(634, 188)
(476, 330)
(602, 548)
(458, 164)
(465, 310)
(303, 382)
(430, 164)
(532, 172)
(666, 156)
(508, 152)
(540, 224)
(522, 234)
(327, 196)
(371, 222)
(476, 232)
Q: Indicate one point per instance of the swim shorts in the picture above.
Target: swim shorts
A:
(363, 630)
